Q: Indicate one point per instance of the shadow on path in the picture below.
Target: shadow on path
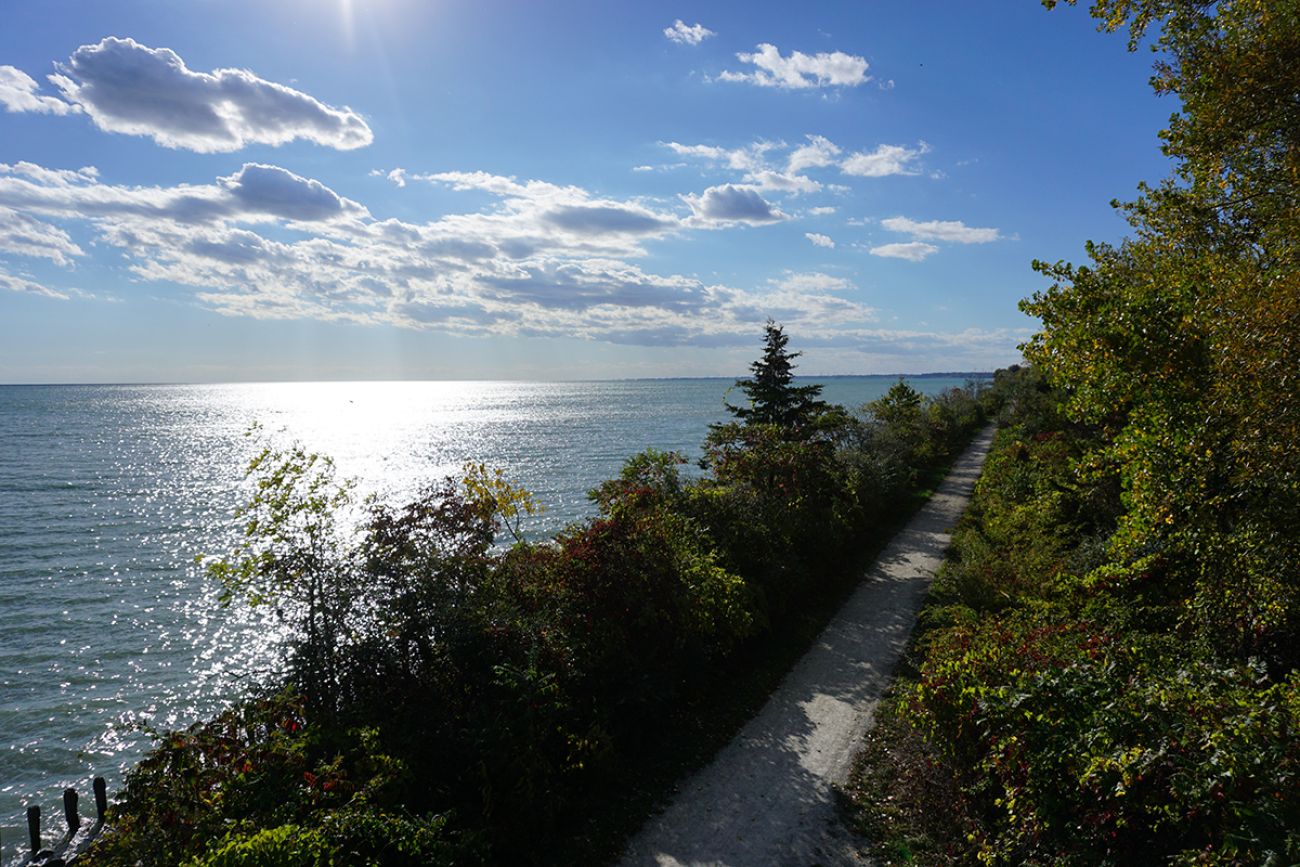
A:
(767, 797)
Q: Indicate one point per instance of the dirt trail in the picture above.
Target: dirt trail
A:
(767, 797)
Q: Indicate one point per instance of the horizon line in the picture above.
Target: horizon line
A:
(929, 374)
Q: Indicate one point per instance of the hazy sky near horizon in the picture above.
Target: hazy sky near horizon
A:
(445, 189)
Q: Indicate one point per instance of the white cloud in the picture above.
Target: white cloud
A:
(497, 185)
(542, 260)
(954, 231)
(18, 92)
(884, 160)
(752, 161)
(794, 184)
(775, 166)
(25, 236)
(820, 151)
(912, 251)
(680, 33)
(820, 240)
(746, 159)
(799, 71)
(277, 192)
(813, 281)
(130, 88)
(12, 283)
(821, 211)
(731, 203)
(255, 193)
(570, 209)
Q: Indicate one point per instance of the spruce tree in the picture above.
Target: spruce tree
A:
(773, 396)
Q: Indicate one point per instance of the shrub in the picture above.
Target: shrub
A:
(453, 689)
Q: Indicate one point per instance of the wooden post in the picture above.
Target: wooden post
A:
(70, 810)
(34, 828)
(101, 797)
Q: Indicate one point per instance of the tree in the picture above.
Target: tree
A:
(1179, 345)
(773, 397)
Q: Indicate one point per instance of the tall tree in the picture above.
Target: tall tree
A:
(1181, 344)
(773, 396)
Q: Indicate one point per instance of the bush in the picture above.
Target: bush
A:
(285, 846)
(1064, 682)
(451, 683)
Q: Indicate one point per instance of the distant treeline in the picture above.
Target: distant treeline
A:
(1108, 674)
(455, 691)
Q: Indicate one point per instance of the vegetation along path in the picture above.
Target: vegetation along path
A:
(768, 796)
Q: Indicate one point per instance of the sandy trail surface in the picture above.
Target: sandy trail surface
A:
(767, 798)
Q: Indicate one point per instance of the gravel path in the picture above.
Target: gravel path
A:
(767, 797)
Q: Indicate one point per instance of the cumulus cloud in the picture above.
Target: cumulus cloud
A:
(885, 160)
(126, 87)
(542, 260)
(821, 210)
(255, 193)
(757, 170)
(779, 167)
(820, 240)
(820, 151)
(954, 231)
(277, 192)
(25, 236)
(912, 251)
(397, 176)
(599, 219)
(784, 182)
(569, 209)
(18, 92)
(680, 33)
(799, 71)
(729, 203)
(547, 253)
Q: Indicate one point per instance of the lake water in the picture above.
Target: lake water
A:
(107, 494)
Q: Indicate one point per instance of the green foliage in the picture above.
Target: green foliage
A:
(291, 556)
(454, 691)
(1062, 682)
(1178, 343)
(497, 499)
(773, 397)
(1085, 746)
(285, 846)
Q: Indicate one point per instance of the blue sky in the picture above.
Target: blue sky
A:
(389, 189)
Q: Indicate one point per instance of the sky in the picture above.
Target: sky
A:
(455, 189)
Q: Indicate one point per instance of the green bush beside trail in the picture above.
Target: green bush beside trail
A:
(457, 694)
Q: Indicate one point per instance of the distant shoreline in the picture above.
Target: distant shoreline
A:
(966, 374)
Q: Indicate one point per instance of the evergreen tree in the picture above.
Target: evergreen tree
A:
(773, 396)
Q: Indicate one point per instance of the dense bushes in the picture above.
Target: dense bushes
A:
(453, 690)
(1066, 688)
